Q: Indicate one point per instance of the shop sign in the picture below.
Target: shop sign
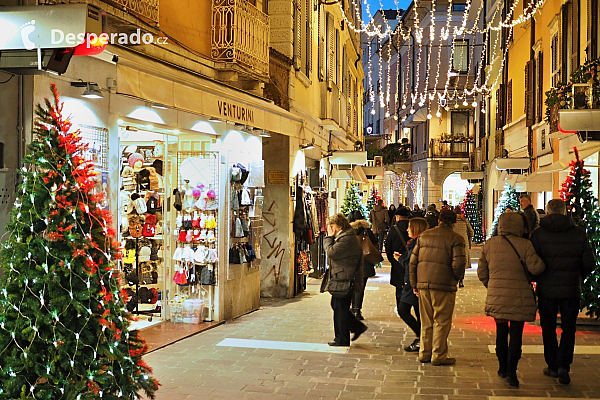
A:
(48, 27)
(230, 110)
(278, 177)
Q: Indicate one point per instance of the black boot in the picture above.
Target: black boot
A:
(502, 355)
(358, 314)
(511, 373)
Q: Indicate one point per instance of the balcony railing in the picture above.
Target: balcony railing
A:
(240, 35)
(444, 149)
(145, 8)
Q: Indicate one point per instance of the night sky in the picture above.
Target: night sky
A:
(387, 4)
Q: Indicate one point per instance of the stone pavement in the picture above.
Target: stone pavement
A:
(374, 367)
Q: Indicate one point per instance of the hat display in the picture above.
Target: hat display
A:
(144, 254)
(188, 254)
(135, 161)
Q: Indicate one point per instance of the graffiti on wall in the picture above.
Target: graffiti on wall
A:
(275, 250)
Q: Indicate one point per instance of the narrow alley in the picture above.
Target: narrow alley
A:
(281, 352)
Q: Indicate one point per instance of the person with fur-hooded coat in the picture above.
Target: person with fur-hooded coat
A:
(362, 227)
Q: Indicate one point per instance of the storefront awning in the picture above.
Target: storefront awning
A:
(564, 162)
(500, 182)
(471, 175)
(414, 119)
(349, 157)
(359, 175)
(579, 120)
(204, 97)
(512, 163)
(535, 182)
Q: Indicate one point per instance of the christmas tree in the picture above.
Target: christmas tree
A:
(508, 199)
(582, 206)
(373, 198)
(64, 333)
(473, 215)
(352, 201)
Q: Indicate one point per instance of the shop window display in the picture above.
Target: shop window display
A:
(169, 213)
(141, 209)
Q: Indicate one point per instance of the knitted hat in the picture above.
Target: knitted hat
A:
(144, 254)
(135, 161)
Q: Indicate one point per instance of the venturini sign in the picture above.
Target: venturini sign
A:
(235, 111)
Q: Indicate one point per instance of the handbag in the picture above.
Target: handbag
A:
(342, 288)
(371, 254)
(527, 274)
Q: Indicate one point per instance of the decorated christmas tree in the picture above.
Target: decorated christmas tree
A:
(373, 198)
(582, 206)
(473, 214)
(64, 333)
(353, 201)
(508, 199)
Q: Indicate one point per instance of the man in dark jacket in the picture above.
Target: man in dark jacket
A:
(380, 221)
(533, 218)
(432, 216)
(569, 259)
(396, 243)
(436, 265)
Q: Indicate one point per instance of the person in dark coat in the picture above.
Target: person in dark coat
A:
(569, 259)
(408, 299)
(344, 254)
(391, 211)
(509, 298)
(362, 227)
(533, 218)
(431, 216)
(397, 244)
(417, 212)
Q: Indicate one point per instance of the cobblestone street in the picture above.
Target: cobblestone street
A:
(212, 365)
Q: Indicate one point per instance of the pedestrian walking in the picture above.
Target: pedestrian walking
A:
(533, 218)
(569, 259)
(396, 243)
(431, 216)
(380, 221)
(506, 264)
(464, 229)
(362, 227)
(417, 212)
(436, 265)
(391, 211)
(407, 299)
(344, 253)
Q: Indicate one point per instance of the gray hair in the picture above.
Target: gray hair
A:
(556, 206)
(526, 197)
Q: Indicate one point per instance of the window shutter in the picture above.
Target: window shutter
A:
(592, 29)
(500, 106)
(540, 88)
(330, 48)
(509, 102)
(336, 58)
(575, 35)
(321, 45)
(564, 32)
(529, 94)
(309, 36)
(298, 34)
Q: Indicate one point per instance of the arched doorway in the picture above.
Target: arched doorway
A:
(454, 189)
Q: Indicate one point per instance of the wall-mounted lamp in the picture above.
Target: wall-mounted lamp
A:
(159, 106)
(92, 90)
(214, 119)
(264, 133)
(308, 146)
(452, 73)
(328, 154)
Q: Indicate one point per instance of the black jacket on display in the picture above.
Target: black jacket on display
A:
(568, 256)
(392, 244)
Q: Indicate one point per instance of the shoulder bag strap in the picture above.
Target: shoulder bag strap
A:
(401, 237)
(520, 259)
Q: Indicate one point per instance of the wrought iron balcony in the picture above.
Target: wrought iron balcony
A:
(447, 149)
(147, 9)
(240, 35)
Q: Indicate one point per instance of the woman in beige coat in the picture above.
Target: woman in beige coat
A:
(510, 300)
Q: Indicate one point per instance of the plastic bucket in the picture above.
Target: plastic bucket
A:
(197, 311)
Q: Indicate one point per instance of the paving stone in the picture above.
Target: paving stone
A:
(374, 367)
